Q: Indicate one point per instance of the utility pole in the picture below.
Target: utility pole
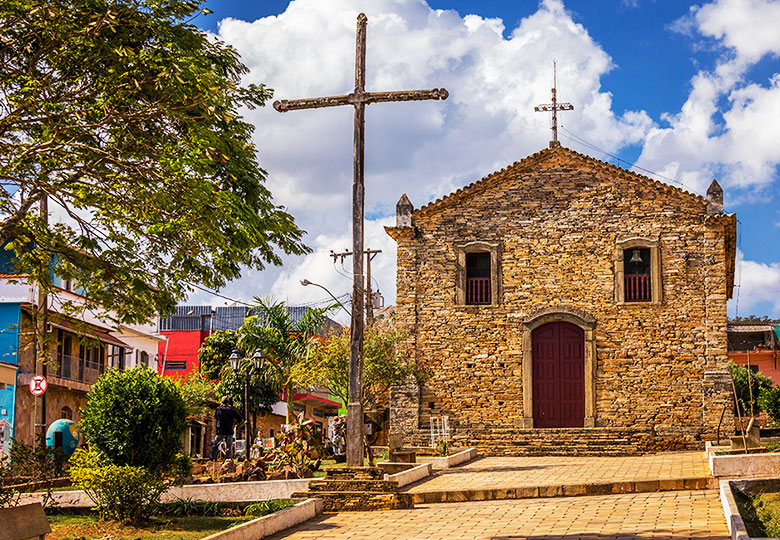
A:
(41, 345)
(370, 254)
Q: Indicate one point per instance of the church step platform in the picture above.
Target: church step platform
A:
(354, 473)
(570, 490)
(359, 501)
(377, 486)
(602, 441)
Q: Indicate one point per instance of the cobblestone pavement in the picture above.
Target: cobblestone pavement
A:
(671, 515)
(503, 472)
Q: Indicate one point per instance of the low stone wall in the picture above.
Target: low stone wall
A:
(272, 523)
(445, 462)
(229, 492)
(411, 475)
(745, 465)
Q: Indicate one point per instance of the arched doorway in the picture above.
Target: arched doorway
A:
(558, 356)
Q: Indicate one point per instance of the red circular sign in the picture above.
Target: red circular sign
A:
(38, 385)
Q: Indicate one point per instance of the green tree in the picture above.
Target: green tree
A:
(213, 355)
(198, 391)
(748, 392)
(135, 418)
(769, 400)
(286, 341)
(126, 117)
(385, 363)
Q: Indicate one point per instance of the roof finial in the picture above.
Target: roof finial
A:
(554, 107)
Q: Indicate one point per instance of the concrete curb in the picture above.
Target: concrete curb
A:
(571, 490)
(272, 523)
(745, 465)
(228, 492)
(450, 461)
(412, 475)
(733, 518)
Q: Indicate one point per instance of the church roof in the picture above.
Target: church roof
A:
(528, 163)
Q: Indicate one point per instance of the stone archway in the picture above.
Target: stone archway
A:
(579, 318)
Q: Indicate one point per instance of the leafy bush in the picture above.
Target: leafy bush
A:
(190, 507)
(263, 508)
(758, 383)
(136, 418)
(127, 493)
(36, 465)
(769, 400)
(298, 451)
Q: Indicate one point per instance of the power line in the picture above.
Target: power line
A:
(584, 142)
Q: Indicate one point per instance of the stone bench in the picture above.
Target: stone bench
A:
(26, 521)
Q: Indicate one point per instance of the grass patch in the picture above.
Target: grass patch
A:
(69, 526)
(761, 513)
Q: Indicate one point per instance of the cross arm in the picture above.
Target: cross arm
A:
(311, 103)
(405, 95)
(554, 106)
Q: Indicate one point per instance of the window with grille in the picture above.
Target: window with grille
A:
(478, 278)
(636, 271)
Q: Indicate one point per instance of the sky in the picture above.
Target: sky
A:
(683, 92)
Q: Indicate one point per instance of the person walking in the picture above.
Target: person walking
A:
(227, 417)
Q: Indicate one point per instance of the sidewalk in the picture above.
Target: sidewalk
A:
(666, 471)
(676, 515)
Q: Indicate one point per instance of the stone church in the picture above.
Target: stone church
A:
(564, 305)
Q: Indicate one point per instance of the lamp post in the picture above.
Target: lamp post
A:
(235, 365)
(306, 283)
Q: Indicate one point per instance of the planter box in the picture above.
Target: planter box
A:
(272, 523)
(416, 472)
(450, 461)
(734, 520)
(744, 465)
(229, 492)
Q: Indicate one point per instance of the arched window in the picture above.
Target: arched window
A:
(144, 358)
(66, 413)
(637, 271)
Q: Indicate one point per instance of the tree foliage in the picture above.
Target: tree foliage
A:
(213, 355)
(126, 117)
(286, 341)
(385, 363)
(757, 383)
(135, 417)
(198, 391)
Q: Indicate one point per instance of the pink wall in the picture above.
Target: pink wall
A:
(768, 362)
(183, 346)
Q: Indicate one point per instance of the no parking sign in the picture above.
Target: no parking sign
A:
(38, 385)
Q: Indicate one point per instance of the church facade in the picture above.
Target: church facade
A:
(565, 305)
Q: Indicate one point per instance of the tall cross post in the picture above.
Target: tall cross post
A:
(554, 107)
(358, 99)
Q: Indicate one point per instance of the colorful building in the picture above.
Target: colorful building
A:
(756, 344)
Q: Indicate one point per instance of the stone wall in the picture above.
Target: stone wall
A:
(557, 218)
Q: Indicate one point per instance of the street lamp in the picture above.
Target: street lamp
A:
(235, 365)
(306, 283)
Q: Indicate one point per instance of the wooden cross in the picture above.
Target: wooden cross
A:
(358, 99)
(554, 107)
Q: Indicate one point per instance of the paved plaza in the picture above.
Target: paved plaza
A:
(507, 472)
(671, 515)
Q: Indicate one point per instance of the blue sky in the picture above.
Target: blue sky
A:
(688, 90)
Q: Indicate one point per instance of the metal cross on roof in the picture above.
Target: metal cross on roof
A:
(554, 107)
(359, 99)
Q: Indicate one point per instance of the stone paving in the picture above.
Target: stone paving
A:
(675, 515)
(506, 472)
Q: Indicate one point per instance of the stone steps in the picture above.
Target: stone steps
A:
(356, 489)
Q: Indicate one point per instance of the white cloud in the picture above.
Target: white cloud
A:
(748, 27)
(426, 149)
(758, 284)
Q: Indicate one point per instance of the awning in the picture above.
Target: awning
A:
(311, 399)
(8, 373)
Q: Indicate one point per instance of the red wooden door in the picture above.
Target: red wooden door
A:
(559, 375)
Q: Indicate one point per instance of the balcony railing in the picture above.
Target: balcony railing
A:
(74, 368)
(638, 288)
(478, 290)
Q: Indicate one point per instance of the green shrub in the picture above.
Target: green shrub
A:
(758, 382)
(769, 401)
(135, 418)
(263, 508)
(127, 493)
